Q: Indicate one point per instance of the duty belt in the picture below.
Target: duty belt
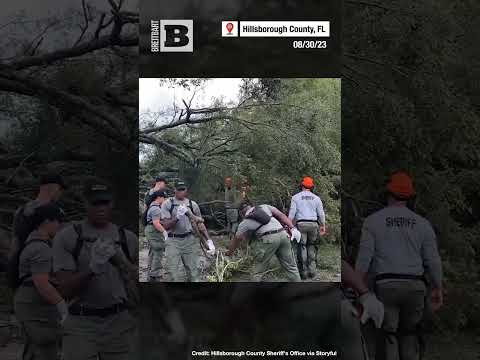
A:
(391, 276)
(81, 310)
(314, 221)
(271, 232)
(180, 235)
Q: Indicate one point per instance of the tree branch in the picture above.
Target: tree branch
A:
(75, 51)
(59, 98)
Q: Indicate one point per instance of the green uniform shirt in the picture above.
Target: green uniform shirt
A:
(105, 289)
(182, 226)
(249, 226)
(36, 258)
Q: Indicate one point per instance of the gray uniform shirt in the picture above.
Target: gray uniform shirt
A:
(182, 226)
(249, 226)
(154, 212)
(306, 206)
(397, 240)
(36, 258)
(105, 289)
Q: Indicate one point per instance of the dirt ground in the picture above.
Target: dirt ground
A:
(328, 265)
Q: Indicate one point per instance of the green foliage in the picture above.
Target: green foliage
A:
(283, 129)
(409, 104)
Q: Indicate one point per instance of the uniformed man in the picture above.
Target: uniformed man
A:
(51, 189)
(272, 239)
(231, 209)
(156, 235)
(306, 212)
(183, 248)
(159, 185)
(39, 307)
(398, 247)
(99, 325)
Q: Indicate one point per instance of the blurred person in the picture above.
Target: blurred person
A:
(307, 214)
(100, 324)
(266, 223)
(39, 307)
(399, 249)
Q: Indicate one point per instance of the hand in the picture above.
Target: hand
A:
(372, 309)
(322, 230)
(295, 234)
(181, 211)
(102, 250)
(211, 247)
(62, 309)
(437, 299)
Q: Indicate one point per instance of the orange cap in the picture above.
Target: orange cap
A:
(307, 182)
(401, 185)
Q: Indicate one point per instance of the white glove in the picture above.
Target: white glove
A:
(62, 309)
(295, 235)
(102, 251)
(181, 211)
(211, 247)
(165, 235)
(372, 309)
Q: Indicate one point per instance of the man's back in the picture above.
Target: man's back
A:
(397, 240)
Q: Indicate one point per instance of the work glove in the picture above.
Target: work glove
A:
(165, 235)
(102, 250)
(62, 309)
(211, 247)
(295, 235)
(372, 309)
(181, 211)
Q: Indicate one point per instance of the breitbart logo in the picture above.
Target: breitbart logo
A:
(171, 35)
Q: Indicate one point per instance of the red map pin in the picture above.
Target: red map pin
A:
(229, 27)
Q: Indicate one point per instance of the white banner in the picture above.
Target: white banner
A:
(285, 28)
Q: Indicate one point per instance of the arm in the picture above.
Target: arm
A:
(366, 251)
(235, 243)
(158, 225)
(167, 221)
(320, 213)
(352, 279)
(284, 220)
(433, 266)
(72, 283)
(201, 225)
(293, 210)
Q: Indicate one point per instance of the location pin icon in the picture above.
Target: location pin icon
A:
(230, 27)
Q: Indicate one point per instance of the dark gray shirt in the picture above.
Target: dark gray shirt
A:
(36, 257)
(397, 240)
(105, 289)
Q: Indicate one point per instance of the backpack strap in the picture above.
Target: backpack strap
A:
(122, 236)
(78, 246)
(190, 205)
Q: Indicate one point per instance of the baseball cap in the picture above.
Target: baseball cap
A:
(307, 182)
(97, 190)
(50, 211)
(401, 185)
(180, 185)
(52, 178)
(160, 178)
(158, 194)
